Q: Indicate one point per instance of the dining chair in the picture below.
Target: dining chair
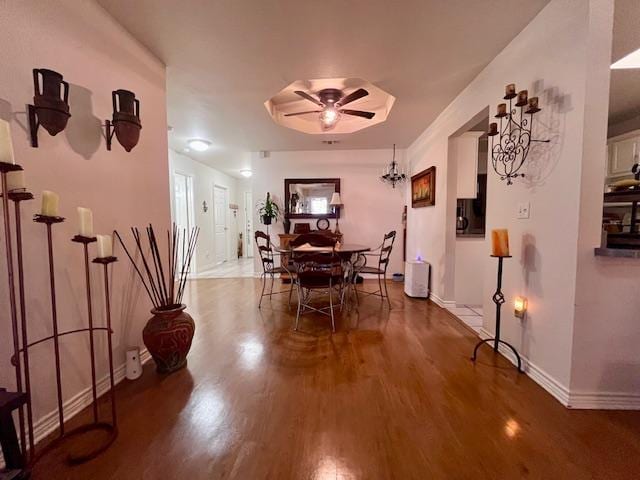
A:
(267, 258)
(382, 254)
(318, 272)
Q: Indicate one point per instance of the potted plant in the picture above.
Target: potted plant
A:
(169, 332)
(268, 210)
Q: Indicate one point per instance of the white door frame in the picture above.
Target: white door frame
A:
(226, 221)
(191, 219)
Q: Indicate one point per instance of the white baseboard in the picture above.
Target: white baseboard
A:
(49, 422)
(440, 302)
(573, 400)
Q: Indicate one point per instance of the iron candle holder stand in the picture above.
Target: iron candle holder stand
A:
(498, 299)
(105, 261)
(49, 221)
(85, 241)
(18, 196)
(5, 168)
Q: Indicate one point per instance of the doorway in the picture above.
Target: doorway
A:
(248, 225)
(220, 224)
(466, 211)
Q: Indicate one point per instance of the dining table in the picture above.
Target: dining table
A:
(349, 254)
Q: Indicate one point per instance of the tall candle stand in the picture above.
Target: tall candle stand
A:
(498, 299)
(49, 221)
(5, 168)
(85, 241)
(18, 196)
(105, 263)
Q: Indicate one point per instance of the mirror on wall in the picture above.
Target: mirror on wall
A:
(621, 219)
(310, 197)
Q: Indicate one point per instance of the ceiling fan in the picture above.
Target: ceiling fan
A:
(332, 101)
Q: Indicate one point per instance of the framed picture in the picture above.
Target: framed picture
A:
(423, 188)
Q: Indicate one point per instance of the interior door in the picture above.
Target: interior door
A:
(183, 204)
(248, 225)
(220, 208)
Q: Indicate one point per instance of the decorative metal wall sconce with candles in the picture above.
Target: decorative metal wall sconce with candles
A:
(50, 104)
(126, 120)
(509, 153)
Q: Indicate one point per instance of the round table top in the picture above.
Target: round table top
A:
(343, 248)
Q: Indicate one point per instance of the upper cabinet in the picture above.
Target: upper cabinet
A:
(623, 153)
(466, 150)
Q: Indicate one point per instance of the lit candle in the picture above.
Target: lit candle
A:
(105, 246)
(510, 89)
(502, 109)
(6, 147)
(533, 102)
(500, 242)
(522, 97)
(15, 180)
(85, 222)
(50, 201)
(493, 128)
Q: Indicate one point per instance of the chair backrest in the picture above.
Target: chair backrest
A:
(317, 269)
(314, 239)
(263, 242)
(385, 249)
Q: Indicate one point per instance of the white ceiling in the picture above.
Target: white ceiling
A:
(225, 58)
(624, 96)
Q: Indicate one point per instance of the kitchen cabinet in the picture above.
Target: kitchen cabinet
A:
(466, 151)
(623, 153)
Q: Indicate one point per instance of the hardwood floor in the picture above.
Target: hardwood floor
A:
(390, 396)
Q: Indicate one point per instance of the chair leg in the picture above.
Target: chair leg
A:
(299, 304)
(290, 292)
(264, 284)
(380, 287)
(386, 291)
(271, 290)
(333, 323)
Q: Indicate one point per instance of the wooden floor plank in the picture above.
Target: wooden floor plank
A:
(391, 395)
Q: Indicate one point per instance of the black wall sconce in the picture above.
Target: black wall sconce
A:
(50, 104)
(510, 151)
(126, 120)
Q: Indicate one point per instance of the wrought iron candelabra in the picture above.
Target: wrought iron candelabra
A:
(23, 454)
(498, 299)
(514, 131)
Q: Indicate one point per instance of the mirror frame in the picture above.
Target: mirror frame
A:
(289, 181)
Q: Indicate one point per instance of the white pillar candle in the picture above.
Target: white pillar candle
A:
(6, 147)
(85, 222)
(15, 180)
(50, 201)
(105, 246)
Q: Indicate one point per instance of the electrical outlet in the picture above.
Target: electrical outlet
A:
(524, 210)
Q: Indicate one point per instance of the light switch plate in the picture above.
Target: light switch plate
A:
(524, 209)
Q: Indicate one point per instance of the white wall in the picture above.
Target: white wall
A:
(371, 208)
(204, 179)
(469, 254)
(96, 56)
(549, 58)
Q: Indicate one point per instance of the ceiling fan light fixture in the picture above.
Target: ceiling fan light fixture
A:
(199, 145)
(329, 116)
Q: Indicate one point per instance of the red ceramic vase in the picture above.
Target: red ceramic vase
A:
(168, 335)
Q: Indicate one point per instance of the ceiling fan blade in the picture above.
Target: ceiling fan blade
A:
(359, 113)
(353, 96)
(306, 96)
(301, 113)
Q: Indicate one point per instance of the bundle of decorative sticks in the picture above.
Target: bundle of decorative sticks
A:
(165, 287)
